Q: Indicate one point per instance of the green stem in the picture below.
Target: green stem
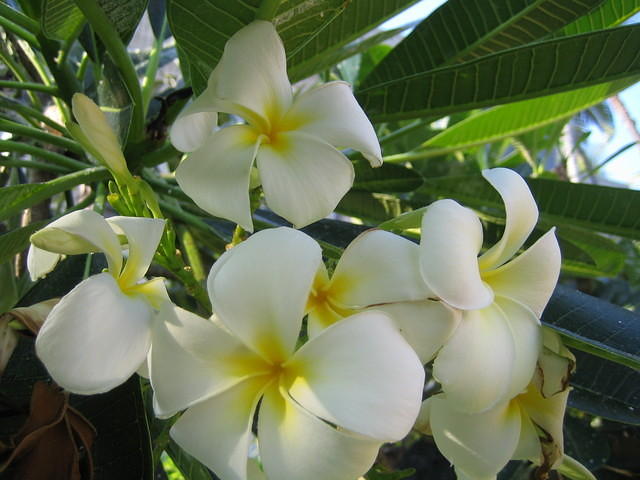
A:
(267, 10)
(190, 247)
(19, 72)
(109, 36)
(47, 167)
(82, 68)
(417, 155)
(152, 68)
(19, 18)
(29, 114)
(17, 30)
(404, 130)
(18, 129)
(56, 158)
(36, 87)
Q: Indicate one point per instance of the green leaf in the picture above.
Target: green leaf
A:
(605, 389)
(124, 15)
(609, 14)
(190, 468)
(604, 257)
(15, 241)
(386, 178)
(531, 71)
(520, 117)
(584, 443)
(325, 48)
(9, 295)
(461, 30)
(371, 207)
(17, 197)
(61, 19)
(595, 326)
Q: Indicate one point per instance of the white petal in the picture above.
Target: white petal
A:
(217, 432)
(40, 262)
(216, 176)
(372, 386)
(527, 338)
(297, 445)
(528, 444)
(82, 231)
(479, 445)
(378, 267)
(252, 72)
(320, 318)
(332, 113)
(531, 277)
(194, 124)
(143, 236)
(303, 177)
(521, 215)
(96, 337)
(192, 359)
(426, 325)
(449, 246)
(475, 366)
(259, 289)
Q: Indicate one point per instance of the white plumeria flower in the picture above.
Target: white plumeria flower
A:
(527, 427)
(380, 270)
(99, 334)
(325, 408)
(292, 139)
(492, 354)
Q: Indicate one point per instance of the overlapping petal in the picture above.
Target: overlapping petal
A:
(193, 359)
(479, 445)
(475, 366)
(372, 386)
(41, 262)
(378, 267)
(216, 176)
(521, 215)
(303, 177)
(218, 431)
(296, 445)
(450, 242)
(331, 112)
(194, 124)
(82, 231)
(531, 277)
(259, 289)
(95, 337)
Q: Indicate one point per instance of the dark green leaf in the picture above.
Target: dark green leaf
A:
(595, 326)
(17, 197)
(371, 207)
(386, 178)
(125, 15)
(593, 255)
(190, 468)
(606, 389)
(584, 443)
(8, 279)
(520, 73)
(15, 241)
(61, 19)
(609, 14)
(462, 30)
(325, 48)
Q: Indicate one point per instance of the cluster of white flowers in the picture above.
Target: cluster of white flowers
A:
(329, 391)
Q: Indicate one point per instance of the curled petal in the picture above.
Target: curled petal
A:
(258, 82)
(529, 444)
(143, 236)
(41, 262)
(331, 112)
(475, 366)
(82, 231)
(214, 360)
(521, 213)
(194, 124)
(372, 386)
(451, 240)
(96, 337)
(378, 267)
(260, 288)
(303, 177)
(531, 277)
(479, 445)
(426, 325)
(295, 444)
(217, 175)
(218, 431)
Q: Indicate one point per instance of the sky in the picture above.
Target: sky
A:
(625, 168)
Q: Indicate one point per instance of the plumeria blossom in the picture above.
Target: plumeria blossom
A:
(380, 270)
(323, 410)
(99, 334)
(292, 139)
(492, 354)
(527, 427)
